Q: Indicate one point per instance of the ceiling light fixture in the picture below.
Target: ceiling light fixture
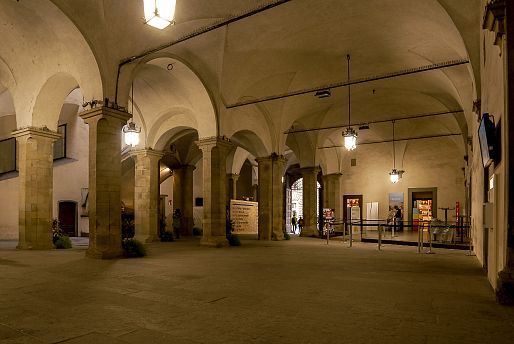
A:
(350, 136)
(323, 94)
(159, 13)
(130, 131)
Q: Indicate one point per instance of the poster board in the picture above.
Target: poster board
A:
(245, 215)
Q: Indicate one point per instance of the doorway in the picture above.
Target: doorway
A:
(68, 217)
(422, 205)
(353, 210)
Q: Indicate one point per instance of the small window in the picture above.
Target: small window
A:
(60, 144)
(199, 202)
(353, 162)
(8, 155)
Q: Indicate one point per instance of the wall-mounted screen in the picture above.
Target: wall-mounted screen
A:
(486, 139)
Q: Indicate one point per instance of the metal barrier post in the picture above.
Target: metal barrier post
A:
(430, 238)
(393, 227)
(351, 234)
(420, 240)
(328, 234)
(379, 237)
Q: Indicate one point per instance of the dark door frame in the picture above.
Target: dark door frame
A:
(75, 215)
(434, 200)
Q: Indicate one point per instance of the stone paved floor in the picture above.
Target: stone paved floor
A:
(300, 291)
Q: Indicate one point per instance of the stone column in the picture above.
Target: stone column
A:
(332, 193)
(105, 126)
(35, 165)
(146, 194)
(310, 210)
(183, 196)
(233, 177)
(214, 155)
(270, 196)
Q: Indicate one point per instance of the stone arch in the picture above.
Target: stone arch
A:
(50, 99)
(251, 142)
(163, 86)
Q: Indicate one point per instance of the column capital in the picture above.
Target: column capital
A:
(234, 176)
(39, 132)
(105, 112)
(272, 157)
(207, 143)
(329, 176)
(310, 169)
(146, 152)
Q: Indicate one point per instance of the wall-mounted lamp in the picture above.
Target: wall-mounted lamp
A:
(159, 13)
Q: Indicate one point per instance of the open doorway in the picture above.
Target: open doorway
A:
(68, 217)
(295, 203)
(353, 210)
(422, 205)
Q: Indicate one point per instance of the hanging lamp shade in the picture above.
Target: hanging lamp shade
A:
(394, 176)
(350, 135)
(159, 13)
(131, 134)
(350, 139)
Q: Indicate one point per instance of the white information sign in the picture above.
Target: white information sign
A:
(245, 215)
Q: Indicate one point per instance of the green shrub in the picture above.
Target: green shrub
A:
(287, 236)
(197, 231)
(167, 236)
(233, 240)
(133, 248)
(63, 241)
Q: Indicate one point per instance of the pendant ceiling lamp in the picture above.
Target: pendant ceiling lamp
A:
(350, 135)
(394, 175)
(130, 131)
(159, 13)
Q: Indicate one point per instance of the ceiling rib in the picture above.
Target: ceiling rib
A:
(391, 140)
(420, 69)
(404, 117)
(198, 32)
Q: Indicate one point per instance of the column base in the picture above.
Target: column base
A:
(147, 239)
(309, 232)
(214, 241)
(35, 246)
(110, 254)
(505, 289)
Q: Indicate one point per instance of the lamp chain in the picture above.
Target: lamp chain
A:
(349, 102)
(394, 150)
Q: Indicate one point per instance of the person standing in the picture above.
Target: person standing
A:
(301, 223)
(293, 223)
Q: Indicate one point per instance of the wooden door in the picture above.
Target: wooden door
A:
(68, 217)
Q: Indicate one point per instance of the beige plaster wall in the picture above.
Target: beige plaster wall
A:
(428, 163)
(493, 102)
(70, 175)
(9, 209)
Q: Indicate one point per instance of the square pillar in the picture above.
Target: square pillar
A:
(214, 155)
(310, 193)
(332, 193)
(232, 179)
(271, 197)
(105, 126)
(146, 194)
(183, 196)
(35, 158)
